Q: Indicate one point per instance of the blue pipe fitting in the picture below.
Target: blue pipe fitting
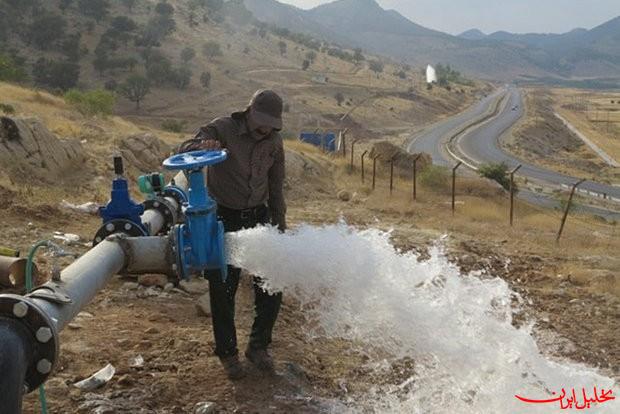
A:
(199, 243)
(121, 206)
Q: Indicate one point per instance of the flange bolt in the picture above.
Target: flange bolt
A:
(44, 366)
(20, 309)
(44, 335)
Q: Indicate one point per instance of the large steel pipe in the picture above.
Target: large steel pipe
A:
(147, 255)
(15, 357)
(30, 324)
(80, 282)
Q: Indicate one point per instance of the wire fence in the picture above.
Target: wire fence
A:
(566, 210)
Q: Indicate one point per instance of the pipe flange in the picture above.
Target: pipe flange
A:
(44, 337)
(177, 193)
(167, 211)
(119, 226)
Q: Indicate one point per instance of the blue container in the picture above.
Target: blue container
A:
(326, 141)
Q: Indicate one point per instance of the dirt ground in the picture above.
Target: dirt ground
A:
(176, 343)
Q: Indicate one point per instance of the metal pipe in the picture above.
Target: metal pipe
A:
(415, 172)
(454, 186)
(392, 174)
(363, 172)
(80, 282)
(15, 358)
(568, 204)
(512, 192)
(13, 270)
(352, 152)
(147, 255)
(374, 170)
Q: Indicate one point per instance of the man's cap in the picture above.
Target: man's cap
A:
(266, 108)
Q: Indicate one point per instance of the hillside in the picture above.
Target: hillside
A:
(205, 59)
(501, 55)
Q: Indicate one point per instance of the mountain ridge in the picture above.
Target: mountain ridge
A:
(501, 55)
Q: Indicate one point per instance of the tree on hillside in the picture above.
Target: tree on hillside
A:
(97, 9)
(305, 64)
(65, 4)
(311, 56)
(164, 9)
(123, 24)
(70, 47)
(282, 46)
(135, 88)
(55, 74)
(212, 49)
(10, 70)
(205, 79)
(358, 56)
(129, 4)
(262, 32)
(159, 72)
(181, 77)
(376, 66)
(187, 54)
(46, 29)
(155, 31)
(339, 98)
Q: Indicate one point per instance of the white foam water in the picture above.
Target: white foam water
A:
(456, 327)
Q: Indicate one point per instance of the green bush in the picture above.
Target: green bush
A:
(496, 172)
(10, 70)
(434, 176)
(96, 102)
(7, 108)
(172, 125)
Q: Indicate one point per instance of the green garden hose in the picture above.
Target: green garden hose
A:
(29, 267)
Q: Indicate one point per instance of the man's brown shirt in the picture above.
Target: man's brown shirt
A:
(253, 173)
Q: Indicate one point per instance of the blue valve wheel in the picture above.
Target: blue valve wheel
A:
(195, 160)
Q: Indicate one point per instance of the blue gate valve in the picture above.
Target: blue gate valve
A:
(199, 243)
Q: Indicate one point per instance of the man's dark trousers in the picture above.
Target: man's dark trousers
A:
(222, 294)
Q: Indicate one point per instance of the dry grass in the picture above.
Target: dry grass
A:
(588, 112)
(482, 211)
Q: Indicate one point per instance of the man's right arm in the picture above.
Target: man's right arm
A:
(206, 138)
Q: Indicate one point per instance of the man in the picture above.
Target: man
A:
(248, 189)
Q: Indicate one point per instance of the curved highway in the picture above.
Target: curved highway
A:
(435, 137)
(480, 144)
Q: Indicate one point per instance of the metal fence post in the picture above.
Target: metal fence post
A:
(415, 184)
(363, 172)
(374, 170)
(344, 142)
(512, 192)
(454, 186)
(570, 200)
(392, 174)
(352, 153)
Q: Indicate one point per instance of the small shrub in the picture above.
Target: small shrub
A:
(434, 176)
(205, 79)
(173, 125)
(7, 108)
(212, 49)
(496, 172)
(96, 102)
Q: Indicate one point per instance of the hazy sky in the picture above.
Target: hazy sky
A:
(517, 16)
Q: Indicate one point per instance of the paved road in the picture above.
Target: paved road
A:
(435, 137)
(480, 144)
